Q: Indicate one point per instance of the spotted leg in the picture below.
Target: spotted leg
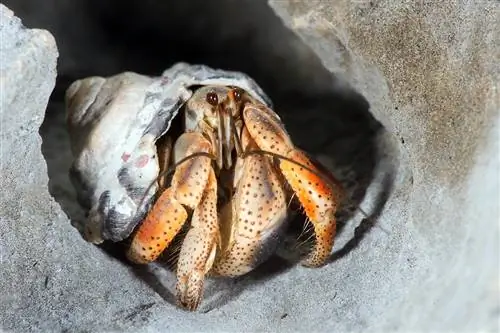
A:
(318, 197)
(198, 248)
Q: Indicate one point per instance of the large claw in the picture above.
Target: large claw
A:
(157, 231)
(168, 214)
(253, 218)
(318, 198)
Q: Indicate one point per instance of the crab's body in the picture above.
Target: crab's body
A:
(230, 133)
(235, 171)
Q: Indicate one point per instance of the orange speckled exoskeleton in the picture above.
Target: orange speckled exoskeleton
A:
(234, 142)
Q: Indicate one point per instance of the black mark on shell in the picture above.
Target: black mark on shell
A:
(136, 194)
(169, 108)
(116, 226)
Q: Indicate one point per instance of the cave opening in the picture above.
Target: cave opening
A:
(323, 115)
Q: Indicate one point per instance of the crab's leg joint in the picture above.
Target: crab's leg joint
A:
(318, 198)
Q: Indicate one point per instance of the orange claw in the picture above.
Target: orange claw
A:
(318, 198)
(159, 228)
(168, 214)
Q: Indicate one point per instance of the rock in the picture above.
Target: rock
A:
(430, 74)
(48, 273)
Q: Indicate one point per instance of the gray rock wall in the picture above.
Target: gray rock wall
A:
(430, 73)
(50, 279)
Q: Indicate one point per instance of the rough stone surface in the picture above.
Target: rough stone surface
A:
(429, 263)
(48, 274)
(432, 82)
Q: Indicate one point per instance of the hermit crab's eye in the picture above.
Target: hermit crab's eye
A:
(237, 93)
(212, 98)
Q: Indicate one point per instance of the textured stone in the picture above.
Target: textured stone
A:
(47, 272)
(430, 73)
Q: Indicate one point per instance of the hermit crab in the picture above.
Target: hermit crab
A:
(229, 173)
